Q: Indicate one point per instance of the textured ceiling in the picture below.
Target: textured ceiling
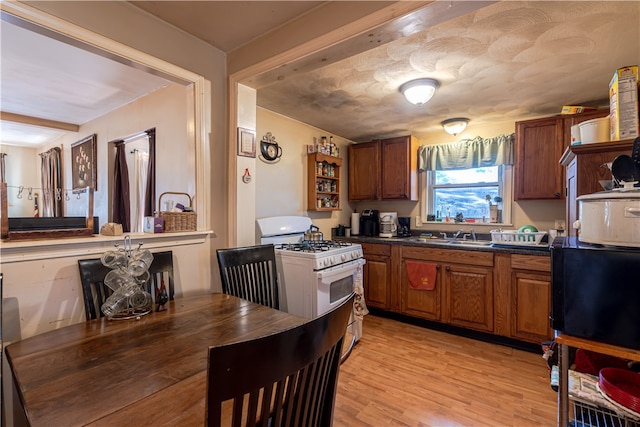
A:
(503, 62)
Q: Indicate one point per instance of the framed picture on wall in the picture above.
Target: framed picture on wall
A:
(246, 142)
(84, 164)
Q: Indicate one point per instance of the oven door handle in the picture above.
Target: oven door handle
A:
(338, 269)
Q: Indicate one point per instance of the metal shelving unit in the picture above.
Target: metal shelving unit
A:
(589, 408)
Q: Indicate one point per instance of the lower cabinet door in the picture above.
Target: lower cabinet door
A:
(531, 306)
(469, 297)
(377, 282)
(420, 302)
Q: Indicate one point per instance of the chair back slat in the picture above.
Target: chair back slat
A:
(250, 273)
(94, 291)
(287, 379)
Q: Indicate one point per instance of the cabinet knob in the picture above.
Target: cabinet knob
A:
(557, 195)
(447, 268)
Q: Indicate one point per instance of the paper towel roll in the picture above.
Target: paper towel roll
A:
(355, 224)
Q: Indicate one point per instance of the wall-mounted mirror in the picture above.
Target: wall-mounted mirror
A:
(58, 90)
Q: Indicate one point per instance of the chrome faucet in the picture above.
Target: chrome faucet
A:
(444, 235)
(458, 233)
(473, 234)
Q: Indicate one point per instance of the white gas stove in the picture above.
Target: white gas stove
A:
(317, 275)
(324, 253)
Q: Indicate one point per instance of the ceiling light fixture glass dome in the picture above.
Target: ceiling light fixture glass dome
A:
(455, 126)
(419, 91)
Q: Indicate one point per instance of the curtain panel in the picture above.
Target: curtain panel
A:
(121, 202)
(467, 153)
(50, 168)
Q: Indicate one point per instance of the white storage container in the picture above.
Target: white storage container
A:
(594, 130)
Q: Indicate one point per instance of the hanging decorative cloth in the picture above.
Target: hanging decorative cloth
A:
(359, 305)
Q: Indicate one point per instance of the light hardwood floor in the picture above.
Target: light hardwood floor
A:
(405, 375)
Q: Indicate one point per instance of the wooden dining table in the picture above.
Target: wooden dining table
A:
(146, 372)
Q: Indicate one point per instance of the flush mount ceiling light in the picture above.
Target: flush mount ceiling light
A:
(419, 91)
(455, 126)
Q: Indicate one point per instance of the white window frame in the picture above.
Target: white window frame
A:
(506, 189)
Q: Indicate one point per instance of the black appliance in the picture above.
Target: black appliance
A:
(404, 226)
(369, 222)
(596, 291)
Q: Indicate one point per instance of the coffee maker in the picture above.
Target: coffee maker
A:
(404, 226)
(388, 224)
(369, 223)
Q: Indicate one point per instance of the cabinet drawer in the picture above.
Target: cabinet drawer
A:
(531, 262)
(375, 249)
(449, 255)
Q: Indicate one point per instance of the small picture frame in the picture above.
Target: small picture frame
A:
(246, 142)
(84, 163)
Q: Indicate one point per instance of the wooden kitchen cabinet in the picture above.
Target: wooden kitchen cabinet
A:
(399, 168)
(464, 291)
(384, 169)
(378, 282)
(420, 302)
(537, 172)
(531, 298)
(323, 182)
(469, 296)
(584, 170)
(364, 176)
(499, 293)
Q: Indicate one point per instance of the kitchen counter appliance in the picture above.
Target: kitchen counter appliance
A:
(388, 224)
(610, 217)
(369, 223)
(596, 291)
(315, 275)
(404, 226)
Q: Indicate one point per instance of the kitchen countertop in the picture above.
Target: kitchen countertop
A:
(539, 250)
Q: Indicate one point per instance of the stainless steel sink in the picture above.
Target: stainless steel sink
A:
(450, 241)
(427, 240)
(470, 242)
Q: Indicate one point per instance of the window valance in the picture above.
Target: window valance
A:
(467, 153)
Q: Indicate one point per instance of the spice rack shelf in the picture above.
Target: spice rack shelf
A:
(323, 182)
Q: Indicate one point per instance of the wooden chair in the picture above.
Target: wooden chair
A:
(285, 379)
(161, 267)
(250, 273)
(95, 292)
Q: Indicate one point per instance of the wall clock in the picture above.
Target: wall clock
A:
(269, 149)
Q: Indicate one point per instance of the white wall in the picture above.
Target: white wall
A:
(245, 191)
(281, 187)
(165, 109)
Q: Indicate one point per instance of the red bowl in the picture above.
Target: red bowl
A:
(621, 385)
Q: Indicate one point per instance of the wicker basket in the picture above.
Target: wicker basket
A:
(178, 221)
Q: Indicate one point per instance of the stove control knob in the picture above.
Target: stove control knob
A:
(344, 257)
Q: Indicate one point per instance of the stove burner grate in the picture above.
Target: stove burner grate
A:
(313, 245)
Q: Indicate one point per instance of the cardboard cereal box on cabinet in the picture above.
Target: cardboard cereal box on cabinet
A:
(623, 103)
